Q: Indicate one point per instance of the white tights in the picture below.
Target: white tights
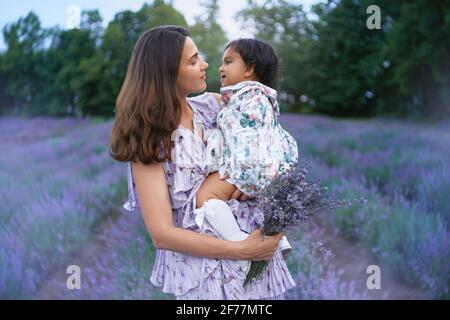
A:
(221, 218)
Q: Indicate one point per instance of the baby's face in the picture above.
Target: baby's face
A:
(233, 69)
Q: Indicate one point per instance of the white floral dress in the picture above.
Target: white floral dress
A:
(249, 145)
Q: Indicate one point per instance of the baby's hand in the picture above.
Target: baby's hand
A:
(238, 194)
(224, 177)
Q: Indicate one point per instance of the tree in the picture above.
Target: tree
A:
(25, 51)
(160, 13)
(418, 48)
(336, 65)
(6, 99)
(210, 39)
(346, 59)
(286, 27)
(68, 51)
(104, 72)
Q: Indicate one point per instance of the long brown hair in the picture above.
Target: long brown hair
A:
(148, 109)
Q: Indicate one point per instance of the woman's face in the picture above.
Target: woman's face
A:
(233, 69)
(191, 71)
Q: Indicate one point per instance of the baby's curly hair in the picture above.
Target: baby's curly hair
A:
(262, 56)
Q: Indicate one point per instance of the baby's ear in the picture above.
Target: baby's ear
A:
(250, 70)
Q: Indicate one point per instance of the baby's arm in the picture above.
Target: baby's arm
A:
(249, 141)
(249, 146)
(214, 188)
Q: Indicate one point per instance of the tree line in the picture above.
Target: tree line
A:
(331, 62)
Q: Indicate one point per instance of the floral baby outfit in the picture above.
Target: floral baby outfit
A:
(249, 145)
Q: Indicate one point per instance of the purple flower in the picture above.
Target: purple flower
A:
(287, 202)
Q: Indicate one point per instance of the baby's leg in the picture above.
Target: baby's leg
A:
(219, 215)
(214, 188)
(210, 202)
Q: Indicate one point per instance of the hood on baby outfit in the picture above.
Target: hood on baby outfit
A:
(236, 90)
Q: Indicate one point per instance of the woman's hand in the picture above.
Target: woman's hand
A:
(259, 247)
(152, 191)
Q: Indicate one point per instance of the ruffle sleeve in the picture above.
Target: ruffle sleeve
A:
(189, 154)
(132, 202)
(207, 108)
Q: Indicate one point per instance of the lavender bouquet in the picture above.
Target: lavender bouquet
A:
(286, 203)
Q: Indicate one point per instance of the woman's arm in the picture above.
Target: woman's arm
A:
(153, 195)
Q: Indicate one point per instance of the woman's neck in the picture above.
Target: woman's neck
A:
(186, 114)
(185, 109)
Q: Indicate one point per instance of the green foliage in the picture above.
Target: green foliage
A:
(330, 61)
(418, 47)
(20, 63)
(286, 27)
(81, 71)
(104, 72)
(211, 40)
(334, 64)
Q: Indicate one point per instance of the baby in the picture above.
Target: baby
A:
(249, 148)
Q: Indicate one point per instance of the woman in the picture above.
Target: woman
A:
(156, 123)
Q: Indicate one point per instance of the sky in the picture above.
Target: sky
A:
(55, 12)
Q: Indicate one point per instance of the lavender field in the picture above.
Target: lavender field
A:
(61, 195)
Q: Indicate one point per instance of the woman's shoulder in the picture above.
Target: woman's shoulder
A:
(206, 106)
(206, 98)
(217, 96)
